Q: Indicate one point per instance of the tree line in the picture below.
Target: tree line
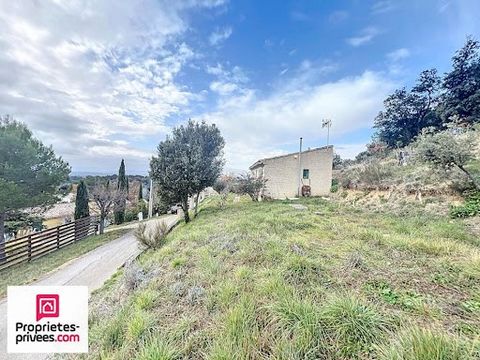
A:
(434, 101)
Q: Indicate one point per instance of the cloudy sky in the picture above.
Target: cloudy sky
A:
(102, 80)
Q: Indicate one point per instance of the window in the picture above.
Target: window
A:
(306, 173)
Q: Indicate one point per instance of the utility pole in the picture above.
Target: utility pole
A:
(300, 168)
(327, 123)
(150, 200)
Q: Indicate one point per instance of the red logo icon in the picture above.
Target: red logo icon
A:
(48, 305)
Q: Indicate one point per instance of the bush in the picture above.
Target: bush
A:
(133, 276)
(132, 214)
(470, 208)
(152, 239)
(374, 174)
(335, 186)
(251, 186)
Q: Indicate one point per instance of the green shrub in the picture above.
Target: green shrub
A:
(470, 208)
(335, 186)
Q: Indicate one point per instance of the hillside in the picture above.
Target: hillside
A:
(378, 180)
(266, 280)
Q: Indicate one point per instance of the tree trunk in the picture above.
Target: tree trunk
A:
(102, 224)
(470, 176)
(3, 256)
(186, 216)
(196, 204)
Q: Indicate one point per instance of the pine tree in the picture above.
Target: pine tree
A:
(30, 172)
(81, 202)
(120, 204)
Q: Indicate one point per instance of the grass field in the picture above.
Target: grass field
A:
(267, 281)
(26, 273)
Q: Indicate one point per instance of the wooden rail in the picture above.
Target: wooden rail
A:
(33, 246)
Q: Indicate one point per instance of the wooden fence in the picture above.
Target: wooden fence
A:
(38, 244)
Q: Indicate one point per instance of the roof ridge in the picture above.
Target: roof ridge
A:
(290, 154)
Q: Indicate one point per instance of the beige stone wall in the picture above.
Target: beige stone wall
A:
(282, 173)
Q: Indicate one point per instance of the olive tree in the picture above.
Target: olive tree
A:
(448, 149)
(252, 186)
(187, 162)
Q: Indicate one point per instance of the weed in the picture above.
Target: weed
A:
(146, 299)
(353, 325)
(415, 344)
(153, 238)
(156, 347)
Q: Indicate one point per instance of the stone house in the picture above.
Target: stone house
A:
(286, 174)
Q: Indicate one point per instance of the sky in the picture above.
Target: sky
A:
(102, 80)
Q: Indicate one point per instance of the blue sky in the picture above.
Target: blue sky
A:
(102, 80)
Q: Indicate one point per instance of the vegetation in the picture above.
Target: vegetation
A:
(434, 102)
(26, 273)
(259, 280)
(250, 185)
(105, 197)
(408, 112)
(153, 238)
(30, 172)
(140, 191)
(470, 208)
(81, 201)
(120, 203)
(446, 150)
(187, 162)
(19, 220)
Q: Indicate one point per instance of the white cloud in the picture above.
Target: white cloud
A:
(364, 37)
(227, 81)
(223, 88)
(349, 151)
(85, 74)
(255, 126)
(220, 35)
(383, 6)
(398, 54)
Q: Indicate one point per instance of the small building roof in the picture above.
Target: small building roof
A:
(262, 161)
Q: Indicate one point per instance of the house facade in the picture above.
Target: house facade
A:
(286, 174)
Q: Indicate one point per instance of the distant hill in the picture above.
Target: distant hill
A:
(81, 174)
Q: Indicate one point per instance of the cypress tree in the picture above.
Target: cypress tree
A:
(121, 186)
(81, 202)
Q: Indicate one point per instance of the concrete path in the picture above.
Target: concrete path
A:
(91, 269)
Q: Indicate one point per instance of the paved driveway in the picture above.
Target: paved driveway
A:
(91, 269)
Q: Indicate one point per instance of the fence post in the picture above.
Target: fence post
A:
(29, 247)
(58, 237)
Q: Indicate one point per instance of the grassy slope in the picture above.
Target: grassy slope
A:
(27, 272)
(268, 281)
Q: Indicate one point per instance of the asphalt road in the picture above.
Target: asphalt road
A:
(91, 269)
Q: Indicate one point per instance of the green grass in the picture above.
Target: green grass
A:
(266, 281)
(26, 273)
